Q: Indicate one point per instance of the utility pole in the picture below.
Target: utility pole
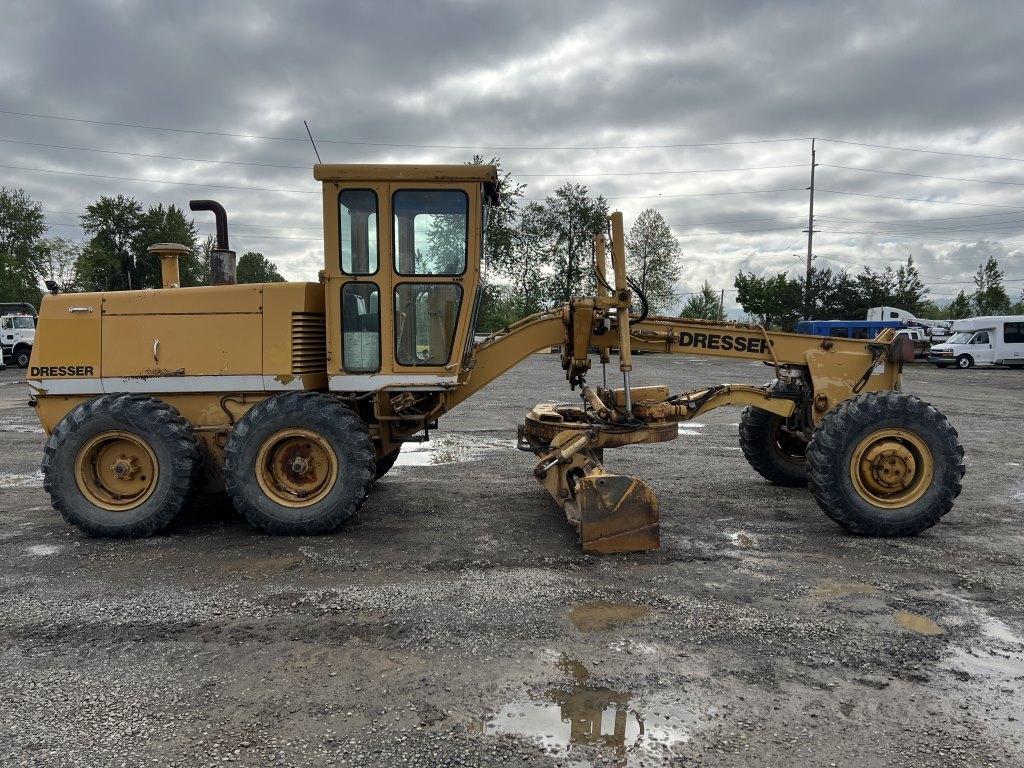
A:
(721, 306)
(808, 302)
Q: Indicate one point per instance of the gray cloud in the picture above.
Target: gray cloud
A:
(941, 75)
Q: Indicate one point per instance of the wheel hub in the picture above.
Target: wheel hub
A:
(891, 468)
(116, 470)
(296, 467)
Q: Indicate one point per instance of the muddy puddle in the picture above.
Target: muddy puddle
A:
(449, 449)
(915, 622)
(21, 479)
(584, 719)
(600, 617)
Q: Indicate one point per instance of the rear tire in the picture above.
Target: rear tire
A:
(299, 463)
(964, 361)
(385, 463)
(120, 465)
(885, 464)
(779, 457)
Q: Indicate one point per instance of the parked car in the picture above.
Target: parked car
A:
(995, 340)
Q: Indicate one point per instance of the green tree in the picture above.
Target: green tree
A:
(909, 292)
(21, 227)
(108, 261)
(775, 302)
(959, 308)
(990, 297)
(165, 225)
(254, 267)
(571, 219)
(703, 305)
(58, 259)
(652, 259)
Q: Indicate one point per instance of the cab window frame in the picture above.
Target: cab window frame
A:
(341, 238)
(394, 234)
(357, 284)
(454, 330)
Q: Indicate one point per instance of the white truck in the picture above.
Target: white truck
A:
(935, 330)
(993, 340)
(17, 332)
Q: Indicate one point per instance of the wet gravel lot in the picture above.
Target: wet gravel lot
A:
(457, 622)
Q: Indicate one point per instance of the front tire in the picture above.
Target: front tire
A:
(885, 464)
(778, 455)
(384, 464)
(964, 361)
(22, 356)
(299, 463)
(120, 465)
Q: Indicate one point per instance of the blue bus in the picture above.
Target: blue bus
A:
(847, 329)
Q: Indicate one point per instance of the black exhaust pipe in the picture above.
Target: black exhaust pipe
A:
(222, 259)
(222, 219)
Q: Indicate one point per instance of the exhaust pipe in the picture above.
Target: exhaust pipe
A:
(222, 258)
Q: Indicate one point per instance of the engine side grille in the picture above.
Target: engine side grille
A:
(309, 343)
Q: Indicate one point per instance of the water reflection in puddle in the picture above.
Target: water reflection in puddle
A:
(589, 717)
(997, 655)
(448, 449)
(690, 428)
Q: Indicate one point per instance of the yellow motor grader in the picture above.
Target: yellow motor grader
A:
(296, 397)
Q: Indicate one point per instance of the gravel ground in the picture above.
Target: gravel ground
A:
(457, 622)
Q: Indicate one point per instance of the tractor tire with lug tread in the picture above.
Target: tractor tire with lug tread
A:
(777, 456)
(885, 464)
(121, 465)
(964, 361)
(385, 463)
(299, 463)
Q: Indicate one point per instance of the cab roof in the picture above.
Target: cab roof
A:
(439, 173)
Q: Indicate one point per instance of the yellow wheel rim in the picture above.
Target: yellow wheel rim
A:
(891, 468)
(296, 467)
(116, 470)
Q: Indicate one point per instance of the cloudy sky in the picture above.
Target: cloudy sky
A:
(653, 104)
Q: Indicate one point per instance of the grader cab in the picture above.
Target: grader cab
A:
(296, 397)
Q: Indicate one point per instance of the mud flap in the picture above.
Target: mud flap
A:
(617, 514)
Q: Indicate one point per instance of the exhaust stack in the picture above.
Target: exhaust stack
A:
(222, 258)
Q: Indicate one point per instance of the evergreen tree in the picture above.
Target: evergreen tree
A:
(959, 308)
(571, 219)
(58, 258)
(652, 259)
(703, 305)
(909, 292)
(990, 297)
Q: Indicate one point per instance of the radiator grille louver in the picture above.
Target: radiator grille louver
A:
(309, 343)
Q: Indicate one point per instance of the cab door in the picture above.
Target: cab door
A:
(435, 247)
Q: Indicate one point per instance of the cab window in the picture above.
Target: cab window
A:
(981, 337)
(360, 327)
(426, 315)
(431, 231)
(357, 230)
(23, 322)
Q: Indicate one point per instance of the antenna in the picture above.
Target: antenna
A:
(310, 133)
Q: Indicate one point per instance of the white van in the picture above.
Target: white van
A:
(997, 340)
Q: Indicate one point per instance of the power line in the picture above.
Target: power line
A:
(159, 181)
(926, 151)
(916, 199)
(704, 194)
(396, 144)
(921, 175)
(929, 220)
(654, 173)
